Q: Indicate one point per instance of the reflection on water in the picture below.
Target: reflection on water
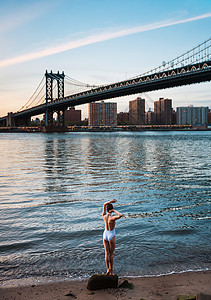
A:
(53, 187)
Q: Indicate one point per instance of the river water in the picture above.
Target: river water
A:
(53, 186)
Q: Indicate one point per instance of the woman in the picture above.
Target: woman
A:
(109, 238)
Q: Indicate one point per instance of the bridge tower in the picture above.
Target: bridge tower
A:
(50, 79)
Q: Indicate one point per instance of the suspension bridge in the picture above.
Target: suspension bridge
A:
(57, 91)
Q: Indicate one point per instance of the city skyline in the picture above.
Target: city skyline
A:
(97, 43)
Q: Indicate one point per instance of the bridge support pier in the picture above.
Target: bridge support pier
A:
(10, 122)
(48, 118)
(60, 123)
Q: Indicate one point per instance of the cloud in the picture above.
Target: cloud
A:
(17, 20)
(92, 39)
(22, 15)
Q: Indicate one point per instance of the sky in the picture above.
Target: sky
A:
(98, 42)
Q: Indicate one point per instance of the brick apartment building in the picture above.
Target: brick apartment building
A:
(163, 112)
(72, 116)
(137, 111)
(102, 114)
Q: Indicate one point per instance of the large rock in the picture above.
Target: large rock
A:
(98, 282)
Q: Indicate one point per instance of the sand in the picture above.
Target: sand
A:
(161, 287)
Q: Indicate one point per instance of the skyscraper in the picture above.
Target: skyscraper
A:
(102, 114)
(137, 111)
(163, 111)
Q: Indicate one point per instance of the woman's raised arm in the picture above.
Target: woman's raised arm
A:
(119, 215)
(106, 203)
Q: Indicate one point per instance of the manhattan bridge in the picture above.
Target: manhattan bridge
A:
(57, 91)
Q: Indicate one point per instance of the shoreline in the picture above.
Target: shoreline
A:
(154, 287)
(155, 128)
(24, 281)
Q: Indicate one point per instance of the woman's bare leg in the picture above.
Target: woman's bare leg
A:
(112, 244)
(107, 255)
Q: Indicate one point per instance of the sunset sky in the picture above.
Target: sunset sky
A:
(98, 42)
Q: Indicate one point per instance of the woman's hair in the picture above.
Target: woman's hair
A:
(109, 207)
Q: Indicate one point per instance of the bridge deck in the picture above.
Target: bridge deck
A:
(185, 75)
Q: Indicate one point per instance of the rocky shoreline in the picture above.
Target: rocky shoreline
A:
(195, 285)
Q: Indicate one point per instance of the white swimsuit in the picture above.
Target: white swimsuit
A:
(108, 235)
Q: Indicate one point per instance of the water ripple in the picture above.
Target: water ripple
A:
(53, 187)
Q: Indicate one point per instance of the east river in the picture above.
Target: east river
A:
(53, 186)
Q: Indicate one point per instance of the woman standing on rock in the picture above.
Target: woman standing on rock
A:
(109, 238)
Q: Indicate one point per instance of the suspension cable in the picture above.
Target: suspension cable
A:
(37, 95)
(32, 94)
(78, 83)
(172, 63)
(40, 101)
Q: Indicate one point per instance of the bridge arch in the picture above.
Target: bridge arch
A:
(193, 68)
(205, 66)
(173, 73)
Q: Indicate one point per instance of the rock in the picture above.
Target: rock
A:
(98, 282)
(91, 293)
(126, 285)
(71, 295)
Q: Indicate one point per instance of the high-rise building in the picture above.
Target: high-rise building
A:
(192, 115)
(102, 114)
(137, 111)
(209, 116)
(163, 112)
(72, 116)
